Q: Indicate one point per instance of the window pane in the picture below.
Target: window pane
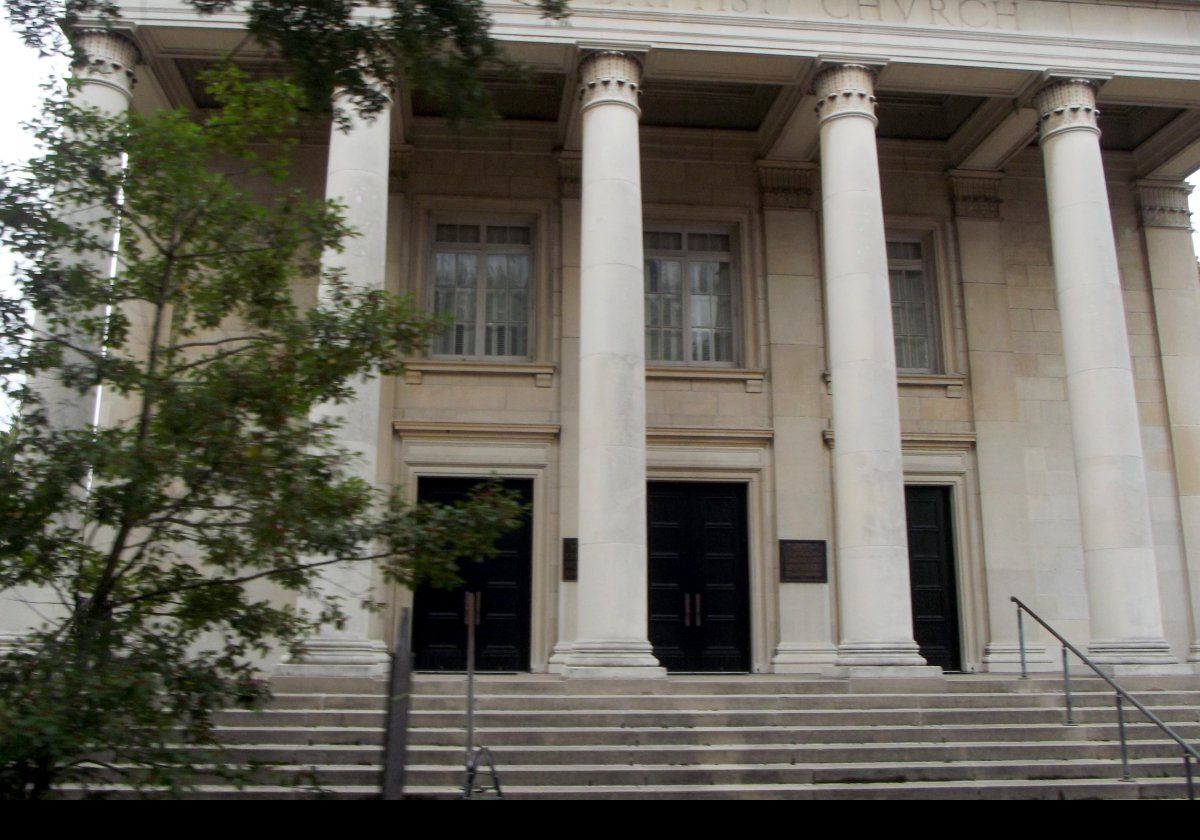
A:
(711, 311)
(912, 307)
(664, 307)
(506, 331)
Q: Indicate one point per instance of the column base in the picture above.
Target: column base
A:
(1005, 658)
(803, 658)
(558, 658)
(1194, 653)
(880, 655)
(328, 657)
(1131, 652)
(612, 660)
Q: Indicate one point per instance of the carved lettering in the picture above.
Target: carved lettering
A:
(906, 11)
(937, 8)
(974, 13)
(836, 8)
(869, 10)
(959, 14)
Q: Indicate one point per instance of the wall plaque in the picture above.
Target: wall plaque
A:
(803, 561)
(570, 559)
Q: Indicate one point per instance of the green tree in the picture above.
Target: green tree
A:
(144, 537)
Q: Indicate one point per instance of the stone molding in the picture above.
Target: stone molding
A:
(610, 76)
(1067, 105)
(976, 194)
(845, 90)
(399, 163)
(785, 185)
(105, 53)
(1165, 204)
(570, 175)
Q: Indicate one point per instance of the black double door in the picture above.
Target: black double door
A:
(931, 574)
(503, 585)
(699, 576)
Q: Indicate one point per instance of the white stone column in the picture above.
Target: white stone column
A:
(1000, 435)
(104, 68)
(357, 178)
(1166, 225)
(612, 596)
(872, 544)
(1118, 548)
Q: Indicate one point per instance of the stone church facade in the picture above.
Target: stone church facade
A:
(812, 330)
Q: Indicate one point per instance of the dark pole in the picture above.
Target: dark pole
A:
(399, 693)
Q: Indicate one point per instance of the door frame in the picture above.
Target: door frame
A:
(675, 455)
(427, 451)
(953, 468)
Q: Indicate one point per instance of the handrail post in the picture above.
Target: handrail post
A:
(1021, 641)
(1125, 774)
(1067, 686)
(1187, 769)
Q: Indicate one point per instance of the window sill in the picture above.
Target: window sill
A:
(952, 382)
(752, 378)
(414, 371)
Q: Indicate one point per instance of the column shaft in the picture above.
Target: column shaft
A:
(1122, 581)
(1172, 260)
(357, 178)
(612, 591)
(869, 516)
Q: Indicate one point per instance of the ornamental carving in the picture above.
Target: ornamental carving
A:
(976, 195)
(845, 90)
(1165, 204)
(105, 53)
(1066, 105)
(609, 76)
(785, 185)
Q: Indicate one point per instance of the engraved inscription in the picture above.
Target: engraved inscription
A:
(958, 14)
(803, 561)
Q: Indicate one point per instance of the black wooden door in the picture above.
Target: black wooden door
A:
(699, 576)
(931, 572)
(503, 583)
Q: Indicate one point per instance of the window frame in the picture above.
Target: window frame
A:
(935, 314)
(483, 249)
(736, 289)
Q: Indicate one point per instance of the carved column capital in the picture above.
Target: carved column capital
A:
(570, 175)
(106, 53)
(845, 90)
(1165, 204)
(609, 76)
(787, 185)
(1066, 105)
(976, 194)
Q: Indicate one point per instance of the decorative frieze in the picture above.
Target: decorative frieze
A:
(570, 175)
(787, 185)
(610, 76)
(1065, 105)
(1165, 204)
(976, 194)
(845, 90)
(105, 53)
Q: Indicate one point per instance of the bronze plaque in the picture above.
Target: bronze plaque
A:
(570, 559)
(803, 561)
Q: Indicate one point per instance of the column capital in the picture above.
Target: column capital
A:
(1165, 204)
(1066, 105)
(845, 90)
(610, 76)
(785, 184)
(976, 193)
(105, 53)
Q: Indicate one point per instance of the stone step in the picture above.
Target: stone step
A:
(743, 734)
(983, 789)
(786, 702)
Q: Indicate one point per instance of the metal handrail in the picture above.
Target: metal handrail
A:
(1189, 752)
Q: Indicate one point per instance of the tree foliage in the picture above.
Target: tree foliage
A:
(360, 47)
(145, 543)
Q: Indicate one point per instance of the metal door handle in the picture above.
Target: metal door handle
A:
(697, 609)
(478, 608)
(687, 610)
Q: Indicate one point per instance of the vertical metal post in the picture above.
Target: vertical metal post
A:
(1187, 769)
(399, 694)
(1021, 641)
(468, 782)
(1125, 774)
(1067, 686)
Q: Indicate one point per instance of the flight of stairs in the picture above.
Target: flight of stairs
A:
(722, 737)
